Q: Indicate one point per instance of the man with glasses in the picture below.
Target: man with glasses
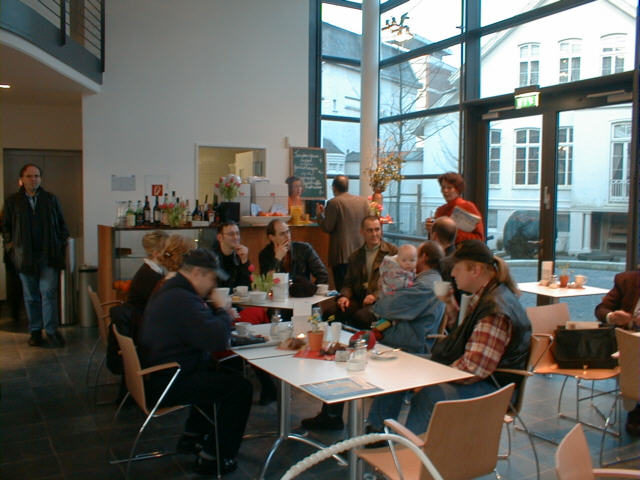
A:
(299, 259)
(233, 256)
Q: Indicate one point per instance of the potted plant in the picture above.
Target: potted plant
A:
(228, 188)
(315, 335)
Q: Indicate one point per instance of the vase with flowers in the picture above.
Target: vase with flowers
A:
(228, 188)
(387, 168)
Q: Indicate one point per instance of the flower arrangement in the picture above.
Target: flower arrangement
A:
(175, 213)
(387, 169)
(228, 187)
(375, 208)
(263, 283)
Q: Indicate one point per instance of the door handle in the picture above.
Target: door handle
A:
(537, 243)
(546, 198)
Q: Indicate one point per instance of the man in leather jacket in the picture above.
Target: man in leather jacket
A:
(35, 235)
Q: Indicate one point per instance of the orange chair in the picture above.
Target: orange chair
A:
(544, 321)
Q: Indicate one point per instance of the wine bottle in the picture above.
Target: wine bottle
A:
(188, 217)
(147, 211)
(157, 213)
(131, 215)
(196, 215)
(139, 214)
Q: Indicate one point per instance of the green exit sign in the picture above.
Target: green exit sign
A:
(527, 100)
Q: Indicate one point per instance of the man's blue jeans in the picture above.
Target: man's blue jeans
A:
(41, 298)
(422, 403)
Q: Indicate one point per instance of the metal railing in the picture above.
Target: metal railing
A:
(619, 190)
(79, 20)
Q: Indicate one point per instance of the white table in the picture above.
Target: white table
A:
(301, 306)
(402, 373)
(558, 293)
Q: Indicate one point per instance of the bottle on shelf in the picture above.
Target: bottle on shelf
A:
(174, 200)
(164, 218)
(197, 214)
(211, 215)
(147, 211)
(131, 215)
(157, 212)
(187, 213)
(139, 214)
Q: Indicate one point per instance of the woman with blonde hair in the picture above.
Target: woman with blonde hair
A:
(151, 272)
(175, 249)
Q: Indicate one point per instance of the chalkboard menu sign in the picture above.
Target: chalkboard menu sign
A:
(309, 164)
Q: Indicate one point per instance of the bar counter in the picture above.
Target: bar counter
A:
(254, 237)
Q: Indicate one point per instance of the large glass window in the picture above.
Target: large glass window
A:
(340, 90)
(420, 83)
(546, 51)
(527, 155)
(342, 141)
(569, 60)
(341, 31)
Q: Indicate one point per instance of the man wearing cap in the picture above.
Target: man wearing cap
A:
(184, 322)
(495, 332)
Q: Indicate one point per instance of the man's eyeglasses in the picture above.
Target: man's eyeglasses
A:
(231, 234)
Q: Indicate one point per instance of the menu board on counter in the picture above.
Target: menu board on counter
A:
(309, 164)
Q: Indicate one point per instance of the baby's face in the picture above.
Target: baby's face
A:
(407, 258)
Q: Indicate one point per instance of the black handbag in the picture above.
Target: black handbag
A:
(585, 348)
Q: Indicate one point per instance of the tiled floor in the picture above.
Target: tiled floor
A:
(49, 428)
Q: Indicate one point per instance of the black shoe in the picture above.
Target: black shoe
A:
(36, 339)
(190, 443)
(322, 421)
(56, 340)
(633, 422)
(205, 466)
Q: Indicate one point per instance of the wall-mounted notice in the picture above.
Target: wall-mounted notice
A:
(309, 164)
(123, 184)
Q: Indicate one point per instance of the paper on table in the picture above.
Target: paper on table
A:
(465, 221)
(341, 387)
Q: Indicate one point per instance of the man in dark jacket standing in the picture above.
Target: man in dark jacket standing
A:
(35, 235)
(179, 326)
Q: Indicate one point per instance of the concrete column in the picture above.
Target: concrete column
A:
(369, 90)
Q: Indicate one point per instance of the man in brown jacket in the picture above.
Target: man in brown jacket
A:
(341, 219)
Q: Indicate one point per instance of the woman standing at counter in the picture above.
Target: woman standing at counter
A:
(452, 186)
(295, 193)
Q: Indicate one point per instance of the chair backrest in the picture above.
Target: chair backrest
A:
(132, 377)
(464, 435)
(573, 459)
(544, 320)
(537, 349)
(629, 361)
(102, 316)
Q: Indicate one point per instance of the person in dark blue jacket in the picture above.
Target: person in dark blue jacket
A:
(180, 325)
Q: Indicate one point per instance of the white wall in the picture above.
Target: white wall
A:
(215, 72)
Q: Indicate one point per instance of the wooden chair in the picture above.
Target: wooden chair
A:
(462, 440)
(134, 378)
(629, 379)
(544, 321)
(573, 460)
(103, 319)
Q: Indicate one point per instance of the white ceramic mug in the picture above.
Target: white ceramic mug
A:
(323, 288)
(580, 280)
(441, 289)
(242, 290)
(242, 328)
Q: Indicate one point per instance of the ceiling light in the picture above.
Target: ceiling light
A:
(5, 85)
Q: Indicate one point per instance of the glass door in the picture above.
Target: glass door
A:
(514, 163)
